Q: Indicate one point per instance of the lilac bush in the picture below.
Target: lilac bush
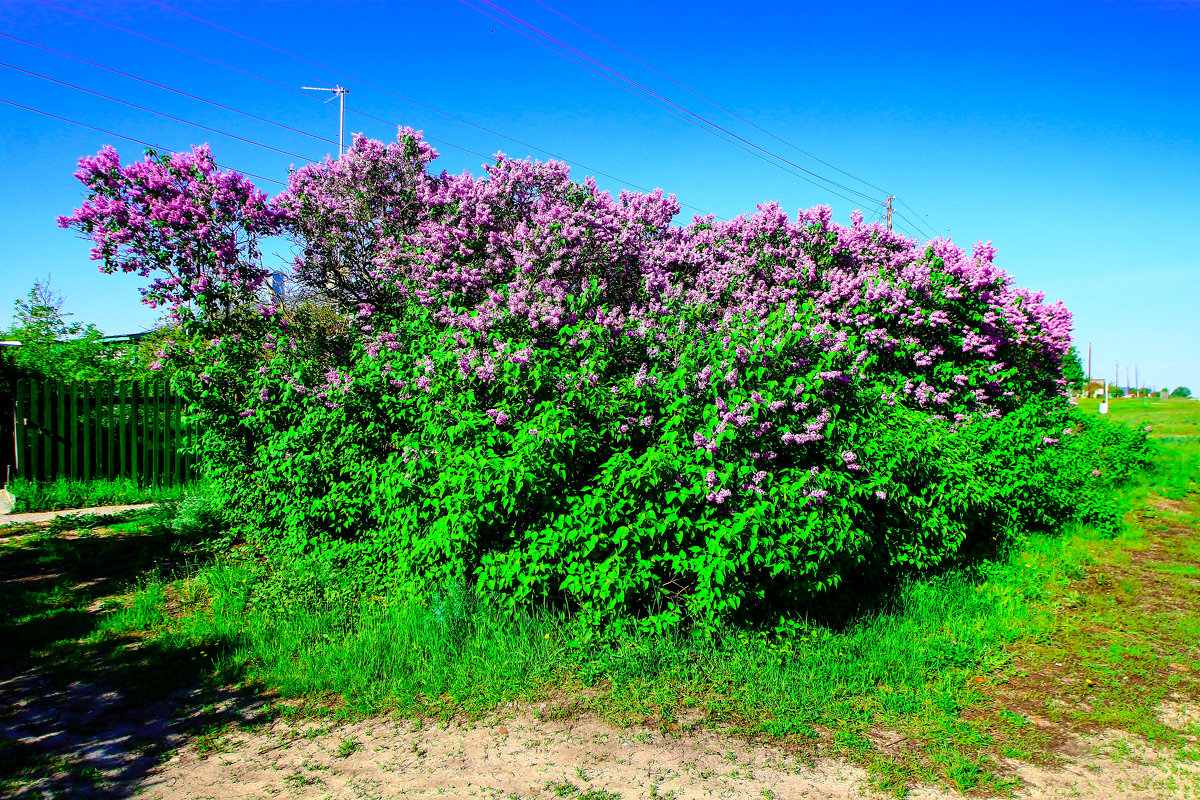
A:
(177, 218)
(523, 382)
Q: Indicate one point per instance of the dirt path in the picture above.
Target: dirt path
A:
(520, 757)
(38, 517)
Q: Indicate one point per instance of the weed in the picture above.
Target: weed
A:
(211, 741)
(599, 794)
(298, 780)
(347, 748)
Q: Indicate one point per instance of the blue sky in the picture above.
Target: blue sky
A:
(1065, 133)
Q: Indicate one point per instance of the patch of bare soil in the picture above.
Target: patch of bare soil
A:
(522, 757)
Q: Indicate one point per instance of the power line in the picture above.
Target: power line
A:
(914, 225)
(664, 108)
(159, 113)
(713, 103)
(577, 62)
(130, 138)
(238, 69)
(876, 215)
(422, 105)
(916, 214)
(417, 103)
(169, 89)
(659, 105)
(174, 47)
(933, 233)
(660, 97)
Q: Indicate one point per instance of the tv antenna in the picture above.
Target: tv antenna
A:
(340, 94)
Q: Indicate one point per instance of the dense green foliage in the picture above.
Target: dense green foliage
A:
(1181, 391)
(520, 384)
(53, 346)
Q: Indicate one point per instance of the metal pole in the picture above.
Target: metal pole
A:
(339, 92)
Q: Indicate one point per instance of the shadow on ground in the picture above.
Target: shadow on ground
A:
(85, 713)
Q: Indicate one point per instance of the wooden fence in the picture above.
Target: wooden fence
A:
(131, 429)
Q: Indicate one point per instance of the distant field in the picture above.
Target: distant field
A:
(1171, 417)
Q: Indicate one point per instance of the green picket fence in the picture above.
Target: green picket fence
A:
(130, 429)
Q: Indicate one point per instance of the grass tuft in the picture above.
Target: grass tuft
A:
(66, 493)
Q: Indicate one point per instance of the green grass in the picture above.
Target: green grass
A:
(931, 681)
(63, 493)
(1173, 417)
(908, 665)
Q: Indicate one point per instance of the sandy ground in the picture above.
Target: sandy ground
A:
(521, 757)
(45, 516)
(109, 745)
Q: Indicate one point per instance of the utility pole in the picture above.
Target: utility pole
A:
(1117, 377)
(1137, 384)
(889, 212)
(1089, 363)
(339, 93)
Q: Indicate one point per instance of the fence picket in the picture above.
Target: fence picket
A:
(123, 390)
(135, 441)
(154, 431)
(132, 429)
(22, 436)
(35, 442)
(106, 440)
(47, 425)
(177, 458)
(80, 446)
(60, 429)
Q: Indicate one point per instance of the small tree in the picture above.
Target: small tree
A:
(1181, 391)
(54, 346)
(1072, 370)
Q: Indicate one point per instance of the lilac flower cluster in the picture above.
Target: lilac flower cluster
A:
(180, 219)
(520, 312)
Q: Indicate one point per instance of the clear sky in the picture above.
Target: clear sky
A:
(1067, 133)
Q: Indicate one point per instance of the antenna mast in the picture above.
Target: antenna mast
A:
(339, 93)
